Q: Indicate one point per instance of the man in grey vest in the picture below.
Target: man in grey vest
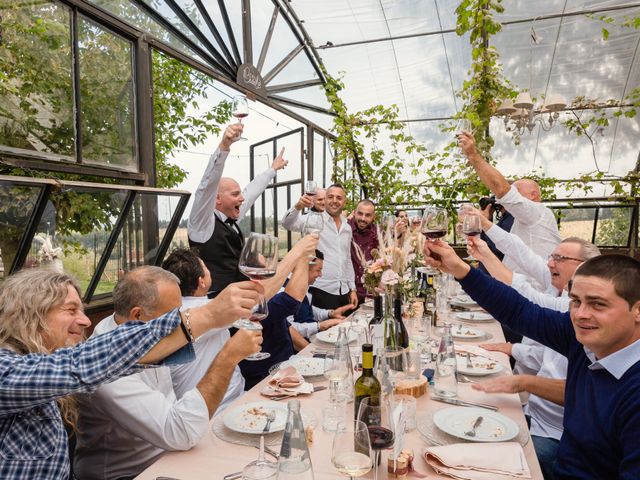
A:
(214, 231)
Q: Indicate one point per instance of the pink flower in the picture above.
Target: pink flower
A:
(389, 277)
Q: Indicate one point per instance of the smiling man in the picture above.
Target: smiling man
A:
(600, 337)
(215, 231)
(365, 239)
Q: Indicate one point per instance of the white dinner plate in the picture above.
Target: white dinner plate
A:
(252, 417)
(464, 331)
(481, 365)
(306, 366)
(331, 336)
(495, 427)
(475, 316)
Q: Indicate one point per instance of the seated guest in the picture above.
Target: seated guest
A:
(600, 337)
(309, 319)
(126, 425)
(195, 282)
(44, 361)
(277, 333)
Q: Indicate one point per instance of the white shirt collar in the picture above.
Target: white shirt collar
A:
(618, 362)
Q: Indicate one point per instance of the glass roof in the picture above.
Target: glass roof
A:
(406, 52)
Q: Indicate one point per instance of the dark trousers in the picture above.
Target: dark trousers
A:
(328, 301)
(546, 450)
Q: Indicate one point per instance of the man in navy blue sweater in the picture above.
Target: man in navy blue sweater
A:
(600, 337)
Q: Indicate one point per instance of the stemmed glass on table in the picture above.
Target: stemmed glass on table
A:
(258, 261)
(240, 109)
(351, 453)
(335, 370)
(375, 413)
(260, 469)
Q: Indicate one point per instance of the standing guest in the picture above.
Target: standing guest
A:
(217, 207)
(126, 425)
(534, 223)
(365, 239)
(337, 285)
(600, 336)
(43, 361)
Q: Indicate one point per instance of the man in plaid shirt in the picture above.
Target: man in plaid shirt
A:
(42, 361)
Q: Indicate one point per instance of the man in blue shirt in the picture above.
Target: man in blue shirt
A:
(600, 336)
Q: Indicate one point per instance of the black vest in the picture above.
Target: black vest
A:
(221, 254)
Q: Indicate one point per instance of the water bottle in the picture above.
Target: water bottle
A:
(294, 462)
(341, 352)
(445, 382)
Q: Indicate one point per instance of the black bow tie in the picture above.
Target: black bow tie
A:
(230, 221)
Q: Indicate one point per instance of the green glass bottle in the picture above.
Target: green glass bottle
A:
(367, 385)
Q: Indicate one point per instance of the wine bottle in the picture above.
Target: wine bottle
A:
(377, 330)
(367, 385)
(403, 335)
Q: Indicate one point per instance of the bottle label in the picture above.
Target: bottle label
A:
(377, 336)
(367, 360)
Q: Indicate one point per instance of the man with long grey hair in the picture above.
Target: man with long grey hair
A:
(43, 359)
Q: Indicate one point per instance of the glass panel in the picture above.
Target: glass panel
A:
(613, 226)
(108, 104)
(282, 208)
(151, 214)
(576, 222)
(36, 82)
(74, 230)
(293, 153)
(318, 165)
(269, 217)
(296, 191)
(17, 203)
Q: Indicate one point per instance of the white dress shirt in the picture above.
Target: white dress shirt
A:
(306, 329)
(186, 376)
(546, 416)
(534, 223)
(126, 425)
(202, 222)
(338, 276)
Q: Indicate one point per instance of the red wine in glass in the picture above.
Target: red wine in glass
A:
(380, 437)
(257, 273)
(434, 234)
(240, 115)
(257, 316)
(471, 233)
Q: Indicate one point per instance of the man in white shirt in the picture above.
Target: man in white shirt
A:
(534, 223)
(127, 424)
(195, 282)
(337, 285)
(218, 205)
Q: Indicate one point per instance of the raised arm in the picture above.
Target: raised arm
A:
(480, 250)
(292, 219)
(489, 175)
(201, 222)
(258, 185)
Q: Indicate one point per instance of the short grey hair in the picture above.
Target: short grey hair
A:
(587, 249)
(139, 288)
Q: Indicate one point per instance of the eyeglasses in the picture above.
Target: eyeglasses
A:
(562, 258)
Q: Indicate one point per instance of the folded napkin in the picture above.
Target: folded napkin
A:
(474, 350)
(286, 381)
(479, 461)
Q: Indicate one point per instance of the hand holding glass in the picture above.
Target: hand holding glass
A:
(434, 223)
(240, 109)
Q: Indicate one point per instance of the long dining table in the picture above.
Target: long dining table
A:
(213, 458)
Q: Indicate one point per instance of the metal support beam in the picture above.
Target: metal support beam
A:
(247, 40)
(144, 118)
(216, 33)
(283, 63)
(172, 227)
(229, 29)
(286, 87)
(306, 106)
(267, 38)
(77, 111)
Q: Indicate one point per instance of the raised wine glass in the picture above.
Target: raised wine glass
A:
(375, 413)
(240, 109)
(351, 453)
(434, 223)
(310, 188)
(471, 227)
(258, 261)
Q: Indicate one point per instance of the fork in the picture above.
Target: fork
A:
(476, 424)
(469, 362)
(270, 418)
(464, 379)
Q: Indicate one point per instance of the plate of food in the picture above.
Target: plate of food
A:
(460, 422)
(306, 366)
(252, 417)
(464, 331)
(480, 366)
(331, 335)
(475, 316)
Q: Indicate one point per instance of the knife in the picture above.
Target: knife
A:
(461, 403)
(319, 389)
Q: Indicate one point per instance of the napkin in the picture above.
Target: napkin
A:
(286, 381)
(479, 461)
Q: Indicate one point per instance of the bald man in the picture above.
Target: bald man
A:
(218, 205)
(533, 223)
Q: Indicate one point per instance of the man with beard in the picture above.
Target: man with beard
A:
(365, 239)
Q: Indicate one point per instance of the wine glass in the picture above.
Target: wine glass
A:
(471, 227)
(335, 370)
(258, 261)
(240, 109)
(260, 469)
(310, 188)
(434, 223)
(313, 224)
(351, 452)
(375, 413)
(464, 125)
